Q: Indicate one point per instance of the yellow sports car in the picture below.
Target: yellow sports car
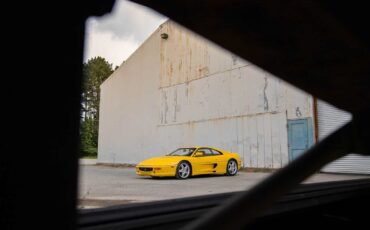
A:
(185, 162)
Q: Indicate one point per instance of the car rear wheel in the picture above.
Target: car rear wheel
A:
(183, 170)
(231, 168)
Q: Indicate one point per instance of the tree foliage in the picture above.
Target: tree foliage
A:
(95, 72)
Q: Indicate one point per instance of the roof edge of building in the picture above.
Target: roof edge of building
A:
(133, 53)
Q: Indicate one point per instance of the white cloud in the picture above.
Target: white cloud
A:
(117, 35)
(105, 44)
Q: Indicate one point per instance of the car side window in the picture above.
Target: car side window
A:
(215, 152)
(207, 152)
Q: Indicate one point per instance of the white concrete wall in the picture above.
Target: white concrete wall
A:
(186, 91)
(129, 107)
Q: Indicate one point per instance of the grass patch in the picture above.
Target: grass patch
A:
(88, 152)
(88, 157)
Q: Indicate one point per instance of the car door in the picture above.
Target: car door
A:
(219, 160)
(206, 163)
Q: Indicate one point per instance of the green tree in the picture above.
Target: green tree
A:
(95, 72)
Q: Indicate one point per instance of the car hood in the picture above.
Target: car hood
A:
(164, 160)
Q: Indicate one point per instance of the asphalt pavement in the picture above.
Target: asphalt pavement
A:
(101, 186)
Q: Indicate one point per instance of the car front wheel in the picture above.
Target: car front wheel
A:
(231, 168)
(183, 170)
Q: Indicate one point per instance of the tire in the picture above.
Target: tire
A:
(183, 170)
(231, 168)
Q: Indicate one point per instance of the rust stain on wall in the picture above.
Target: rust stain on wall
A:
(176, 106)
(180, 65)
(265, 100)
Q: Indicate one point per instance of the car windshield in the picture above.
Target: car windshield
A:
(182, 152)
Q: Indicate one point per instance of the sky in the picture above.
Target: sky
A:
(117, 35)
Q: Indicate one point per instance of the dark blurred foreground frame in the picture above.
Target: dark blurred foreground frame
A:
(42, 50)
(321, 47)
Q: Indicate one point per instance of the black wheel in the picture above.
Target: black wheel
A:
(183, 170)
(231, 168)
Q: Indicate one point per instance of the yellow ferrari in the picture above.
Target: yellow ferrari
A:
(185, 162)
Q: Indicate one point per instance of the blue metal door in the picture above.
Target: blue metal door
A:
(300, 136)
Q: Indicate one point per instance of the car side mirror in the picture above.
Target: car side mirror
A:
(199, 154)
